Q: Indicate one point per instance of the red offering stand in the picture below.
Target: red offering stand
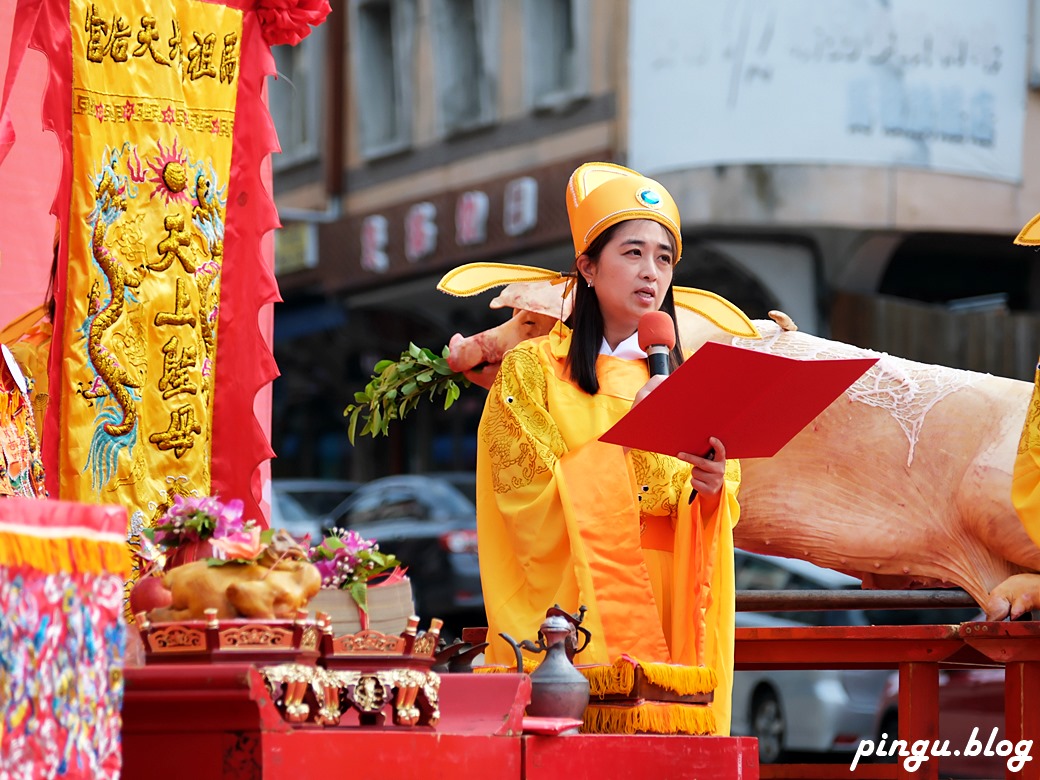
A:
(228, 726)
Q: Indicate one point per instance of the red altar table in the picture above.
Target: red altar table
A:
(218, 721)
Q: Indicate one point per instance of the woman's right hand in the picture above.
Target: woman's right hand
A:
(644, 391)
(648, 388)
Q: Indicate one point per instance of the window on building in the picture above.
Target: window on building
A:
(296, 99)
(382, 40)
(555, 51)
(465, 49)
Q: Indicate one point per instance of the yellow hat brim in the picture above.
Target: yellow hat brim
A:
(475, 278)
(1030, 234)
(717, 310)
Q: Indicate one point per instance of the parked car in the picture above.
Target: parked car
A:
(797, 710)
(300, 505)
(465, 481)
(829, 710)
(432, 528)
(969, 699)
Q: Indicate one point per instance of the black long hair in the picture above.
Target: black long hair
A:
(586, 323)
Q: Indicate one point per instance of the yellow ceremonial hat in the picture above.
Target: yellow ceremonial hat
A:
(602, 194)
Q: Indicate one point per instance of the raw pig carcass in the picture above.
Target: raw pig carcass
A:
(904, 481)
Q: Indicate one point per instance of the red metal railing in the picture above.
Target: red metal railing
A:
(917, 652)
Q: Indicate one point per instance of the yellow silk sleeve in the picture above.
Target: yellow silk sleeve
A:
(523, 546)
(523, 446)
(704, 607)
(1025, 485)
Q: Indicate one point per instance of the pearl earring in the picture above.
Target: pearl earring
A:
(588, 282)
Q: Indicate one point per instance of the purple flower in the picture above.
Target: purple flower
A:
(327, 569)
(354, 543)
(198, 518)
(345, 558)
(210, 506)
(229, 521)
(182, 507)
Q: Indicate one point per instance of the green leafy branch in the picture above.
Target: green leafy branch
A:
(397, 386)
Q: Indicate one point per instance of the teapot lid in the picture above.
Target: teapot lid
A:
(556, 623)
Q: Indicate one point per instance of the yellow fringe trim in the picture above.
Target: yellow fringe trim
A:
(649, 718)
(70, 555)
(620, 677)
(529, 666)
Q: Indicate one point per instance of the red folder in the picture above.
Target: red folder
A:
(753, 402)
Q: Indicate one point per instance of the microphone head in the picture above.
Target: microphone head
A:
(656, 329)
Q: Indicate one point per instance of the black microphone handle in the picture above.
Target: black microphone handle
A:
(657, 360)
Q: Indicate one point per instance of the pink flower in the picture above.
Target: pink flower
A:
(354, 543)
(290, 21)
(346, 559)
(229, 518)
(186, 506)
(327, 569)
(243, 545)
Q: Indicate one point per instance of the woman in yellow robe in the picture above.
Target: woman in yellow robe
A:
(566, 519)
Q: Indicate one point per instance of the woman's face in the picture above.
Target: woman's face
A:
(632, 275)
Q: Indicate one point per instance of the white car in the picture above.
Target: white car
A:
(801, 711)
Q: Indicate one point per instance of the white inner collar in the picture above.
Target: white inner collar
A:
(627, 349)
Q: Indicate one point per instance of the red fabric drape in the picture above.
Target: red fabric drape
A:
(245, 364)
(244, 359)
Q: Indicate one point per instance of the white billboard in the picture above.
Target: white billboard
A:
(933, 84)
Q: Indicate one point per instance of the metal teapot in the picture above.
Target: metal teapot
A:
(558, 690)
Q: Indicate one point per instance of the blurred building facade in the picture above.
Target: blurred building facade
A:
(862, 166)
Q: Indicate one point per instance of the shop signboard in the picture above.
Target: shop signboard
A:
(497, 219)
(938, 85)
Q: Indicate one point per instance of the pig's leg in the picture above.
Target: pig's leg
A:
(486, 349)
(1014, 596)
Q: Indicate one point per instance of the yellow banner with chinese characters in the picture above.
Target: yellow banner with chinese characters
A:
(153, 109)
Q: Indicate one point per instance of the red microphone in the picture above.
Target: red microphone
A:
(657, 339)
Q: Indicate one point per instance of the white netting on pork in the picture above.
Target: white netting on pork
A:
(905, 389)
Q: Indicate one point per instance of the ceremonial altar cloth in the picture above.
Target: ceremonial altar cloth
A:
(62, 568)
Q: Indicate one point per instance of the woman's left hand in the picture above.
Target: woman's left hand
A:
(708, 476)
